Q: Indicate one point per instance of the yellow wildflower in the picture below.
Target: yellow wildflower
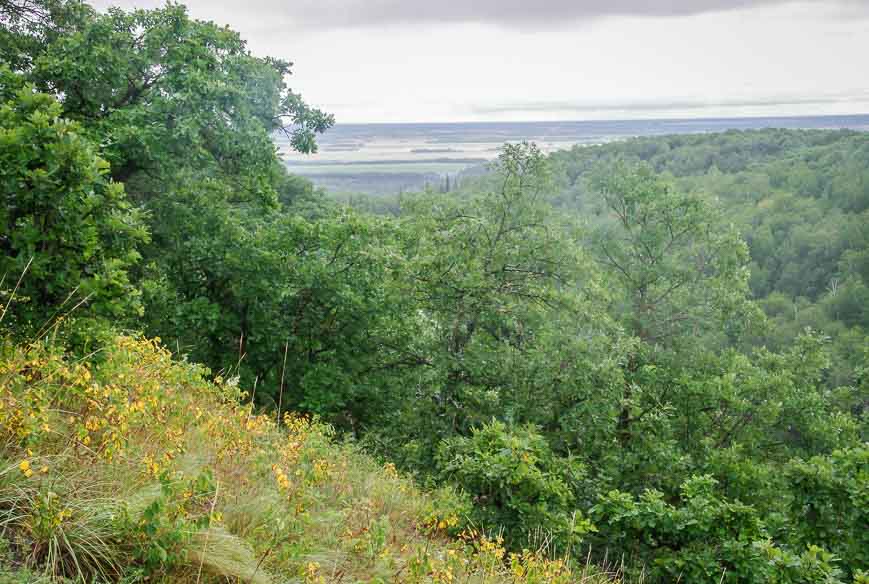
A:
(25, 468)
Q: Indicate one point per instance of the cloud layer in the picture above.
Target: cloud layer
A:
(518, 13)
(473, 60)
(534, 15)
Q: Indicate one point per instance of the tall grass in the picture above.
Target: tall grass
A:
(135, 468)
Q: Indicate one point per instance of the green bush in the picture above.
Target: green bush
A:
(703, 537)
(830, 503)
(518, 484)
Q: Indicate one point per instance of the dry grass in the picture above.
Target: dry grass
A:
(135, 468)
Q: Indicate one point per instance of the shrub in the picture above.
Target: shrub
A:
(517, 483)
(830, 503)
(703, 538)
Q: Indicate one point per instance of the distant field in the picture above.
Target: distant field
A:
(389, 158)
(398, 167)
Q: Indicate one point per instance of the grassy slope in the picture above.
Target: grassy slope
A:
(132, 467)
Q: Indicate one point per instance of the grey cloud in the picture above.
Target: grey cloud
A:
(277, 16)
(519, 13)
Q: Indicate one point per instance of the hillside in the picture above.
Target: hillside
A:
(132, 467)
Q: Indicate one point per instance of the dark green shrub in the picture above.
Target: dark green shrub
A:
(518, 484)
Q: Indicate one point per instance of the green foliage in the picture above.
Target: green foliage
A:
(68, 231)
(517, 483)
(697, 540)
(569, 338)
(185, 117)
(282, 301)
(162, 533)
(703, 538)
(503, 296)
(720, 406)
(812, 565)
(28, 26)
(678, 266)
(799, 199)
(166, 92)
(830, 502)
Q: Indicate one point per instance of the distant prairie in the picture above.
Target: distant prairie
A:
(389, 158)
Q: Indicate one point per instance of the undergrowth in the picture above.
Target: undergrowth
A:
(130, 466)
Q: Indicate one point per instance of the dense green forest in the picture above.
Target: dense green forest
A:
(653, 350)
(798, 198)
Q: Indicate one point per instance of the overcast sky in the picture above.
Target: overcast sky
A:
(479, 60)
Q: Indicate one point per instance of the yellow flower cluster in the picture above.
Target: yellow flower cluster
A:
(152, 468)
(44, 397)
(489, 548)
(485, 557)
(312, 573)
(24, 415)
(235, 429)
(48, 514)
(532, 566)
(435, 522)
(390, 470)
(283, 481)
(322, 471)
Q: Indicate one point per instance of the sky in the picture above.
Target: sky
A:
(527, 60)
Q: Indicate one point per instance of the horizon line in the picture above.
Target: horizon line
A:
(607, 120)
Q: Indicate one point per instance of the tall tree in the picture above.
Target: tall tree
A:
(67, 230)
(501, 287)
(166, 93)
(677, 271)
